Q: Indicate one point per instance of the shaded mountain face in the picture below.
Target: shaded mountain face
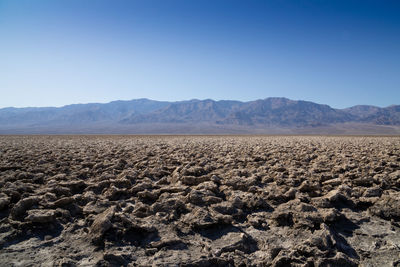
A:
(188, 111)
(285, 112)
(207, 114)
(78, 113)
(362, 111)
(371, 114)
(385, 116)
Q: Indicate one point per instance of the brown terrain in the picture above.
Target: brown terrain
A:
(199, 201)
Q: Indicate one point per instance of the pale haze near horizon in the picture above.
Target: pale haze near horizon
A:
(54, 53)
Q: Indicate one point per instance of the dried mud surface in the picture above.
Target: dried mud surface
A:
(199, 201)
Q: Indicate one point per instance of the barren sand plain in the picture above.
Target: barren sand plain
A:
(199, 201)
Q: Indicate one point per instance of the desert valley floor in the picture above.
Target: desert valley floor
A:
(199, 201)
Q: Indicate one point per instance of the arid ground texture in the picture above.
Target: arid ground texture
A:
(199, 201)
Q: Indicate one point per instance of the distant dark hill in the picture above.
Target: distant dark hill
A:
(385, 116)
(77, 114)
(188, 111)
(270, 115)
(287, 113)
(362, 111)
(375, 115)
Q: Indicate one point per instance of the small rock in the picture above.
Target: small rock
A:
(113, 193)
(60, 190)
(40, 216)
(321, 239)
(209, 185)
(333, 182)
(334, 196)
(170, 204)
(167, 242)
(148, 195)
(64, 214)
(63, 201)
(364, 181)
(194, 171)
(234, 241)
(196, 197)
(330, 215)
(225, 207)
(388, 207)
(101, 224)
(121, 183)
(193, 180)
(18, 211)
(66, 263)
(141, 210)
(199, 218)
(373, 192)
(283, 218)
(4, 203)
(116, 259)
(308, 186)
(340, 259)
(259, 220)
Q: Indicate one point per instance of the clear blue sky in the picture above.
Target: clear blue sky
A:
(340, 53)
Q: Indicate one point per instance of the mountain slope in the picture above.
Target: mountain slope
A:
(188, 111)
(77, 114)
(287, 113)
(204, 116)
(375, 115)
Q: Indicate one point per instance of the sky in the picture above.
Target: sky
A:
(340, 53)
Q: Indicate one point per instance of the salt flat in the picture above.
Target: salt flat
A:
(199, 201)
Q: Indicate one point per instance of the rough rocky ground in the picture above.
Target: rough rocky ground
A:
(199, 201)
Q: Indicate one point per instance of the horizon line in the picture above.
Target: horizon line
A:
(186, 100)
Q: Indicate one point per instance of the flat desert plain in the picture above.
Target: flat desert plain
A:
(199, 201)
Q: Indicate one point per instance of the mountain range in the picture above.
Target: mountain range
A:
(273, 115)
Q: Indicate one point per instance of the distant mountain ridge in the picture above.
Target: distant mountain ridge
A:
(224, 116)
